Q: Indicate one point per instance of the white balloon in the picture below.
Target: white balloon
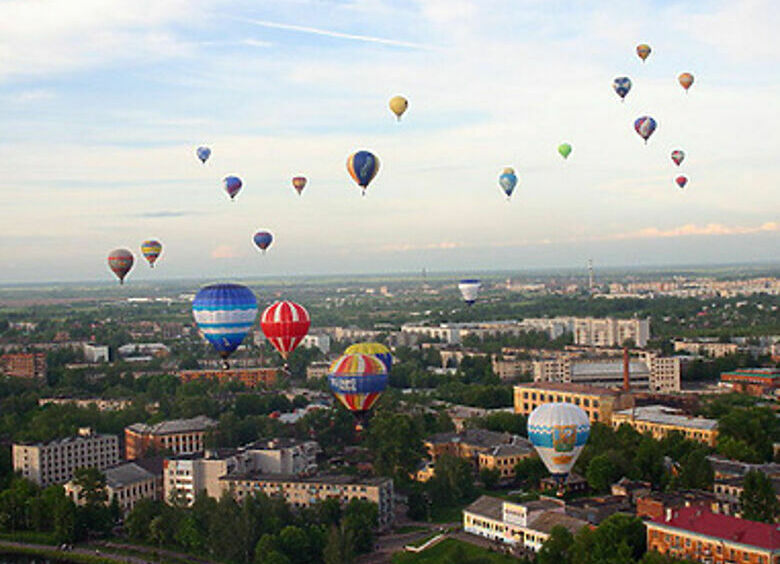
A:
(559, 432)
(469, 289)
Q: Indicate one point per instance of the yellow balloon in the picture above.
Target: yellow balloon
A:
(398, 105)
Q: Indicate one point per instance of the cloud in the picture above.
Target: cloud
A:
(164, 213)
(692, 229)
(337, 34)
(403, 247)
(255, 42)
(223, 252)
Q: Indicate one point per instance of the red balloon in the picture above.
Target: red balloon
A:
(120, 261)
(681, 181)
(285, 324)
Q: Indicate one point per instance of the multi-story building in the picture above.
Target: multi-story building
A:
(317, 370)
(655, 505)
(699, 535)
(660, 421)
(504, 458)
(509, 368)
(100, 403)
(95, 353)
(729, 493)
(249, 377)
(598, 403)
(444, 332)
(143, 349)
(664, 372)
(23, 365)
(470, 443)
(305, 491)
(610, 332)
(709, 348)
(753, 381)
(179, 436)
(128, 483)
(54, 462)
(187, 475)
(527, 525)
(319, 341)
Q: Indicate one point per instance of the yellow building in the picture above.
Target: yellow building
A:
(660, 420)
(598, 403)
(504, 458)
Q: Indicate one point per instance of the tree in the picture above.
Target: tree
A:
(556, 548)
(91, 484)
(490, 477)
(529, 471)
(620, 539)
(695, 471)
(360, 519)
(395, 440)
(340, 548)
(453, 481)
(294, 543)
(601, 473)
(758, 499)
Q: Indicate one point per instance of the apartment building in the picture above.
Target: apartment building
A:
(319, 341)
(306, 491)
(753, 381)
(509, 368)
(95, 353)
(128, 483)
(598, 403)
(699, 535)
(317, 370)
(179, 436)
(250, 377)
(187, 475)
(610, 332)
(54, 462)
(660, 421)
(709, 348)
(527, 525)
(24, 365)
(504, 458)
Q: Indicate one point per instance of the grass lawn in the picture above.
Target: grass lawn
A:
(451, 550)
(422, 541)
(30, 537)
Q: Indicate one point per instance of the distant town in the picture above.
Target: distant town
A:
(124, 434)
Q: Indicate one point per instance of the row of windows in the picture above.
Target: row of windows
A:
(594, 415)
(586, 402)
(679, 541)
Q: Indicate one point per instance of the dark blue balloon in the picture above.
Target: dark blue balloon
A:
(203, 153)
(622, 86)
(263, 239)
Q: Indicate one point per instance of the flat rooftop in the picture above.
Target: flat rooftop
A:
(662, 415)
(567, 388)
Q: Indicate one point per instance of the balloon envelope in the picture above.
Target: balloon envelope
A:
(299, 183)
(678, 157)
(375, 349)
(203, 153)
(565, 150)
(508, 181)
(120, 261)
(285, 324)
(263, 240)
(645, 126)
(681, 181)
(357, 381)
(363, 167)
(151, 250)
(558, 432)
(622, 86)
(685, 80)
(224, 314)
(469, 289)
(398, 105)
(232, 185)
(643, 50)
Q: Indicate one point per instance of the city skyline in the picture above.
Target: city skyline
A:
(99, 136)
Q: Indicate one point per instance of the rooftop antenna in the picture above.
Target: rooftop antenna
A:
(590, 275)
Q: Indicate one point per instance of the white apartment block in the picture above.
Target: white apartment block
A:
(610, 332)
(54, 462)
(444, 332)
(95, 353)
(664, 373)
(187, 475)
(317, 341)
(713, 349)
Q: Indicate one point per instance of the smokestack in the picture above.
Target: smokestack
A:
(626, 379)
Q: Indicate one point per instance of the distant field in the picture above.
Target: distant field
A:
(452, 550)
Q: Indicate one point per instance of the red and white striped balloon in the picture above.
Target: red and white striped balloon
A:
(285, 324)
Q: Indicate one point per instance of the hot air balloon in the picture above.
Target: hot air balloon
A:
(678, 156)
(622, 86)
(681, 181)
(558, 432)
(357, 381)
(565, 150)
(363, 166)
(263, 240)
(203, 153)
(120, 261)
(232, 185)
(685, 80)
(151, 250)
(224, 314)
(299, 183)
(645, 126)
(375, 349)
(398, 105)
(469, 289)
(285, 324)
(643, 50)
(508, 181)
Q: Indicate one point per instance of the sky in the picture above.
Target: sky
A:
(103, 103)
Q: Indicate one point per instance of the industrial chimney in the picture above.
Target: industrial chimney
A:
(626, 371)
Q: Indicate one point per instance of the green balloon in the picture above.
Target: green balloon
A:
(565, 150)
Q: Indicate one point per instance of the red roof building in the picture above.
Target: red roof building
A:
(702, 536)
(753, 381)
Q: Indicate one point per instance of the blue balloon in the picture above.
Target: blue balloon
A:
(363, 166)
(263, 240)
(225, 313)
(203, 153)
(622, 86)
(508, 181)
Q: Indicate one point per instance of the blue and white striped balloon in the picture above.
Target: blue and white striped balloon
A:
(559, 432)
(224, 313)
(469, 289)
